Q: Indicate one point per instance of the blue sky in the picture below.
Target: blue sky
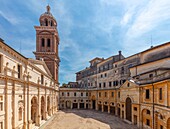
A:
(87, 28)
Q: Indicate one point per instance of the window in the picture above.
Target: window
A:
(1, 106)
(116, 83)
(110, 84)
(135, 108)
(48, 43)
(119, 94)
(46, 22)
(161, 127)
(42, 79)
(42, 42)
(104, 84)
(160, 93)
(51, 23)
(148, 112)
(105, 94)
(148, 122)
(20, 114)
(147, 94)
(86, 94)
(150, 75)
(68, 94)
(62, 93)
(99, 94)
(128, 84)
(105, 74)
(122, 70)
(112, 94)
(100, 85)
(81, 94)
(19, 71)
(101, 75)
(75, 94)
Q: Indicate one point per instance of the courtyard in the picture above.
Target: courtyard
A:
(85, 119)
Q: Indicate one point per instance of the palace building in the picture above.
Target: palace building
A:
(29, 88)
(134, 88)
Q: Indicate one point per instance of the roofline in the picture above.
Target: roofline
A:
(2, 41)
(150, 62)
(163, 44)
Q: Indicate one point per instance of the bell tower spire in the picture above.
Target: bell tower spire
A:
(47, 41)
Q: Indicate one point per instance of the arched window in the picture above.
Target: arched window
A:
(46, 22)
(48, 43)
(20, 114)
(51, 23)
(42, 42)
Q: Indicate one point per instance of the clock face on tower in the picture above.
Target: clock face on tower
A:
(47, 41)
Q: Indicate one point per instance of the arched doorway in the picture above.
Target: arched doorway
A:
(128, 109)
(93, 102)
(48, 105)
(68, 104)
(42, 108)
(34, 109)
(168, 123)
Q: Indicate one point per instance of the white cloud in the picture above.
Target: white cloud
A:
(151, 16)
(11, 18)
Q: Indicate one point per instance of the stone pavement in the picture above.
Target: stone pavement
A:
(85, 119)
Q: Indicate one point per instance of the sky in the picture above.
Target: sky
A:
(87, 28)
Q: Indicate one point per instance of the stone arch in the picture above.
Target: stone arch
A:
(118, 109)
(128, 109)
(46, 21)
(42, 108)
(68, 104)
(34, 109)
(48, 106)
(93, 102)
(168, 123)
(146, 118)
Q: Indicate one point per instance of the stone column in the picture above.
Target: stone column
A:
(64, 104)
(39, 106)
(13, 105)
(85, 105)
(109, 108)
(78, 105)
(52, 102)
(71, 105)
(97, 106)
(28, 105)
(102, 107)
(45, 105)
(25, 106)
(6, 103)
(116, 110)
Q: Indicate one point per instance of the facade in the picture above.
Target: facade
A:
(136, 88)
(29, 88)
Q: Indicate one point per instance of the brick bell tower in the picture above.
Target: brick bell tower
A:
(47, 41)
